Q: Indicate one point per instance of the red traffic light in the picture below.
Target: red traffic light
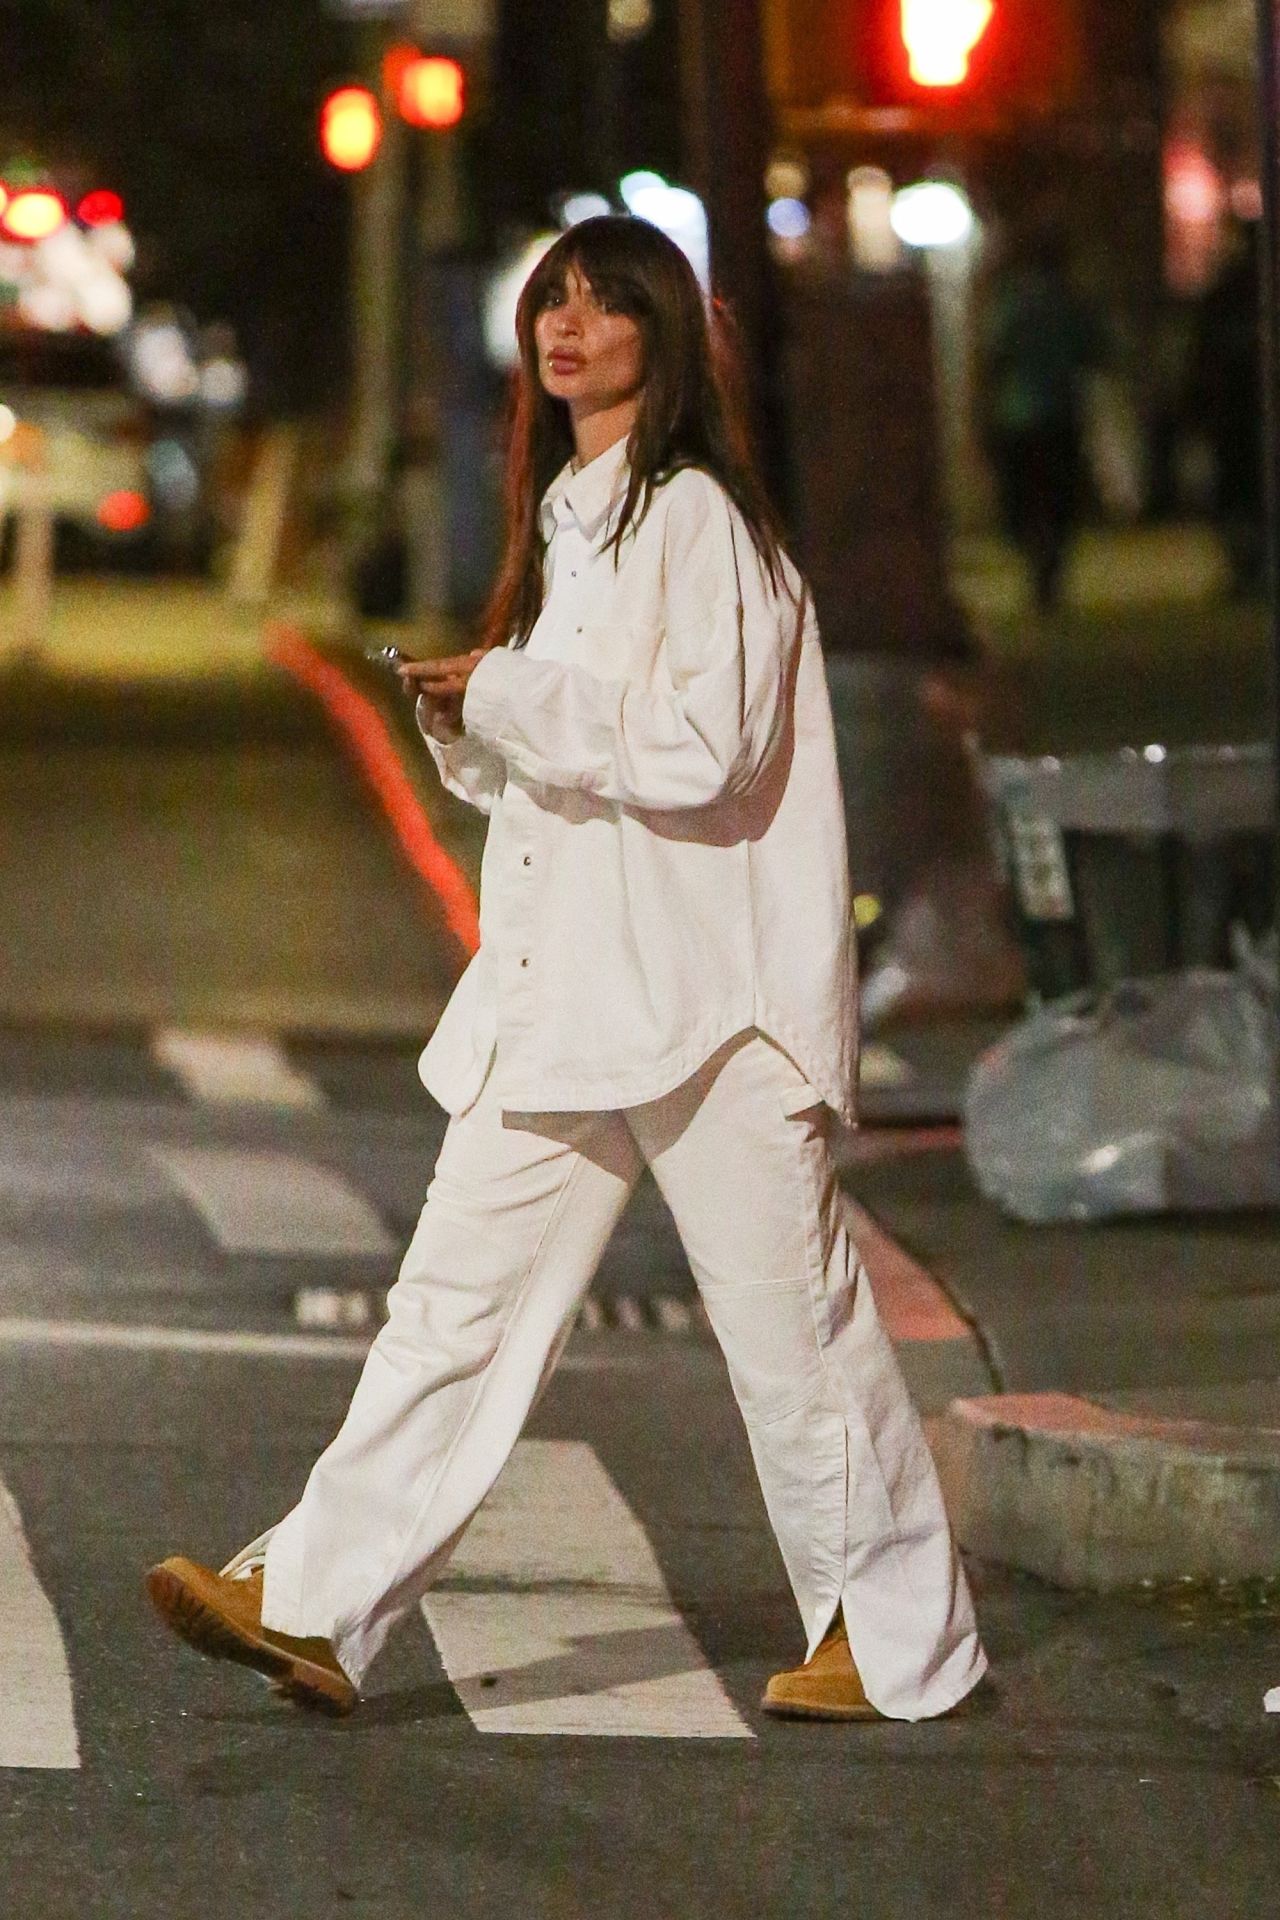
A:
(947, 63)
(430, 91)
(940, 37)
(101, 208)
(123, 512)
(350, 129)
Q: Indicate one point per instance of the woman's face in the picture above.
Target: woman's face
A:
(589, 355)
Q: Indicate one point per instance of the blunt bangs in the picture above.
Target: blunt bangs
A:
(611, 257)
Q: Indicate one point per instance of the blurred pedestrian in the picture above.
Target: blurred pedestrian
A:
(1224, 405)
(1039, 342)
(665, 978)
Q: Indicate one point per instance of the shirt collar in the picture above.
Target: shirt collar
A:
(587, 497)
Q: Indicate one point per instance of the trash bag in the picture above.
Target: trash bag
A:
(920, 845)
(1157, 1096)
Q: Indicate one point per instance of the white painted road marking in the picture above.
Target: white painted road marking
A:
(674, 1316)
(145, 1339)
(333, 1307)
(274, 1203)
(37, 1719)
(226, 1068)
(17, 1332)
(553, 1616)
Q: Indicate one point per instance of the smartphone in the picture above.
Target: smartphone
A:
(384, 656)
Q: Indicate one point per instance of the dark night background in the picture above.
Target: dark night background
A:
(203, 115)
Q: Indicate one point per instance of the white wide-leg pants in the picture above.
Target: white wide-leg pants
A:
(517, 1216)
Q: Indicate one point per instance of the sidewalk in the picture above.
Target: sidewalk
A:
(1131, 1428)
(1130, 1432)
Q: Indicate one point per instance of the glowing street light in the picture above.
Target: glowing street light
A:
(502, 297)
(788, 218)
(639, 182)
(582, 206)
(932, 214)
(677, 212)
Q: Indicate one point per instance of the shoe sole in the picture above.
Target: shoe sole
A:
(797, 1712)
(203, 1628)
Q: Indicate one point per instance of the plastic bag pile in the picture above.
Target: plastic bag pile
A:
(1158, 1096)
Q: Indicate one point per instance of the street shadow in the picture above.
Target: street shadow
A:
(591, 1664)
(410, 1706)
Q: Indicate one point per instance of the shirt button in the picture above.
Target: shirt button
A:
(528, 860)
(525, 961)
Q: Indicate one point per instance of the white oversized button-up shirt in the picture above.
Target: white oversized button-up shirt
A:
(665, 864)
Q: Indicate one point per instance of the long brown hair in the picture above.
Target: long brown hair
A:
(691, 412)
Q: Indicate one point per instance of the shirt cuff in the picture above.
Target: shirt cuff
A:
(484, 704)
(421, 714)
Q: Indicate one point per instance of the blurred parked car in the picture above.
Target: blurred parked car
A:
(127, 480)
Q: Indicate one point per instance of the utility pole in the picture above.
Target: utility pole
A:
(406, 213)
(726, 114)
(376, 291)
(1269, 118)
(438, 483)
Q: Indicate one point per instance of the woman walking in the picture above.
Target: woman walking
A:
(665, 978)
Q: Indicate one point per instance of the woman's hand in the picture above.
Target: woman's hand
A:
(441, 684)
(438, 678)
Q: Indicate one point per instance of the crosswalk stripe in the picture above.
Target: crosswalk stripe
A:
(274, 1203)
(37, 1717)
(333, 1307)
(554, 1618)
(629, 1314)
(18, 1332)
(674, 1315)
(228, 1068)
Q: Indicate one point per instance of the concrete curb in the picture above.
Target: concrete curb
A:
(1088, 1496)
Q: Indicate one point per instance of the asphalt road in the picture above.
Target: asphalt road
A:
(186, 1284)
(1118, 1765)
(201, 853)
